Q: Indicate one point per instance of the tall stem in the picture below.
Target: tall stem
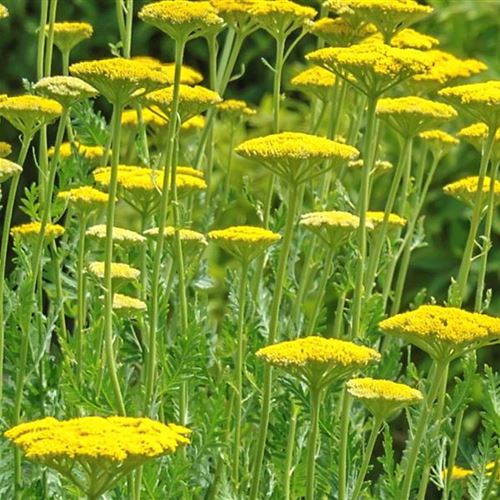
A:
(80, 285)
(439, 369)
(287, 479)
(240, 356)
(108, 259)
(453, 453)
(367, 455)
(273, 334)
(465, 265)
(50, 38)
(344, 438)
(127, 42)
(363, 204)
(313, 444)
(44, 9)
(120, 18)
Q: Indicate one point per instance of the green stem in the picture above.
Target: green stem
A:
(339, 315)
(344, 438)
(108, 259)
(240, 356)
(44, 8)
(65, 62)
(465, 265)
(439, 369)
(120, 17)
(50, 38)
(363, 204)
(273, 335)
(304, 279)
(127, 42)
(287, 477)
(80, 284)
(313, 442)
(229, 166)
(453, 452)
(483, 266)
(376, 426)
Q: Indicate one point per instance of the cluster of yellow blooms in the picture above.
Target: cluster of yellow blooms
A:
(119, 234)
(119, 271)
(68, 34)
(466, 190)
(29, 232)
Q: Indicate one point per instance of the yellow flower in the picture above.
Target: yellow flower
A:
(371, 67)
(237, 14)
(481, 100)
(317, 360)
(8, 169)
(3, 12)
(443, 332)
(68, 149)
(411, 115)
(281, 17)
(194, 124)
(389, 16)
(476, 135)
(457, 473)
(380, 167)
(293, 155)
(192, 100)
(189, 76)
(466, 190)
(244, 242)
(235, 108)
(84, 198)
(66, 90)
(316, 80)
(333, 227)
(383, 398)
(439, 142)
(182, 20)
(119, 80)
(69, 34)
(118, 271)
(98, 450)
(339, 32)
(127, 306)
(5, 149)
(192, 241)
(29, 232)
(27, 113)
(119, 235)
(411, 39)
(376, 219)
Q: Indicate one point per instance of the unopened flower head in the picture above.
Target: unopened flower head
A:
(28, 113)
(481, 100)
(84, 198)
(5, 149)
(97, 447)
(66, 90)
(389, 16)
(317, 360)
(438, 141)
(476, 134)
(333, 227)
(244, 242)
(70, 149)
(376, 219)
(237, 14)
(339, 32)
(294, 155)
(466, 190)
(8, 169)
(384, 398)
(192, 100)
(443, 332)
(119, 235)
(189, 76)
(118, 271)
(281, 17)
(412, 115)
(371, 67)
(316, 81)
(69, 34)
(29, 232)
(182, 20)
(119, 80)
(123, 305)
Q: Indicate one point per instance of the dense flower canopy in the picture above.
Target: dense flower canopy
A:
(69, 34)
(66, 90)
(466, 189)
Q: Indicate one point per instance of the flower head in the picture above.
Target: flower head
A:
(5, 149)
(119, 235)
(333, 227)
(317, 360)
(371, 67)
(28, 113)
(66, 90)
(119, 80)
(124, 305)
(380, 167)
(411, 39)
(182, 20)
(3, 12)
(235, 109)
(383, 398)
(466, 190)
(316, 81)
(8, 169)
(189, 76)
(339, 32)
(84, 198)
(439, 142)
(376, 219)
(30, 231)
(293, 155)
(193, 242)
(118, 271)
(443, 332)
(458, 473)
(411, 115)
(476, 135)
(244, 242)
(69, 34)
(107, 448)
(90, 153)
(237, 14)
(481, 100)
(192, 100)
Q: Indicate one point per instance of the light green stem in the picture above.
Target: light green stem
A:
(339, 315)
(344, 438)
(120, 17)
(44, 9)
(287, 477)
(50, 38)
(376, 426)
(273, 335)
(453, 453)
(313, 442)
(80, 310)
(127, 42)
(65, 62)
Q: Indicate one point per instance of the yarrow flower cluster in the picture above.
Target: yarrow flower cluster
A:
(316, 81)
(376, 219)
(118, 271)
(30, 231)
(69, 34)
(119, 235)
(84, 198)
(66, 90)
(127, 306)
(466, 190)
(70, 149)
(8, 169)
